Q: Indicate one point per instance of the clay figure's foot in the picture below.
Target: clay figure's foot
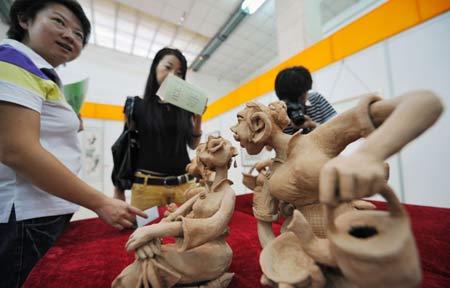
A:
(222, 282)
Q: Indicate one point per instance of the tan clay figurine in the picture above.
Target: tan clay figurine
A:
(305, 162)
(256, 182)
(371, 248)
(204, 176)
(200, 255)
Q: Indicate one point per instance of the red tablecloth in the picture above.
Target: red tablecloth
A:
(92, 254)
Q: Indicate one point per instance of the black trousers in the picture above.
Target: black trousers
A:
(23, 243)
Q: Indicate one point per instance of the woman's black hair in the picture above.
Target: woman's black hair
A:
(27, 10)
(292, 83)
(154, 109)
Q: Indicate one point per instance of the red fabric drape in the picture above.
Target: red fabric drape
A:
(92, 254)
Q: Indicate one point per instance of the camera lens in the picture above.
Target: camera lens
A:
(296, 112)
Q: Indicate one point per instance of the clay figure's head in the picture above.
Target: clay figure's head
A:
(217, 152)
(257, 123)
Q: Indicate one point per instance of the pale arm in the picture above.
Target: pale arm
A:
(196, 131)
(119, 194)
(23, 153)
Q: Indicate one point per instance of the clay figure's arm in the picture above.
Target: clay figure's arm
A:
(197, 231)
(399, 121)
(265, 210)
(183, 210)
(147, 233)
(251, 181)
(263, 165)
(265, 233)
(168, 227)
(333, 136)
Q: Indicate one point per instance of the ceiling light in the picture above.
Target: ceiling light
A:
(250, 6)
(217, 40)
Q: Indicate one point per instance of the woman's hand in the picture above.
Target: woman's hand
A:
(118, 213)
(345, 178)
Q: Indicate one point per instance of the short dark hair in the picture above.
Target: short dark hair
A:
(292, 83)
(27, 9)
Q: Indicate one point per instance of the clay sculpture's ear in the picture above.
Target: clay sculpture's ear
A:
(261, 127)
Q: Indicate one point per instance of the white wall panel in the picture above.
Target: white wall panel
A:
(358, 74)
(325, 79)
(364, 72)
(420, 59)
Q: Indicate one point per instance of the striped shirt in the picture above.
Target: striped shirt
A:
(23, 83)
(318, 108)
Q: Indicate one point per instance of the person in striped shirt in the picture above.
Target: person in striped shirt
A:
(306, 108)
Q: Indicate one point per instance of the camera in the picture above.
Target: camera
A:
(296, 112)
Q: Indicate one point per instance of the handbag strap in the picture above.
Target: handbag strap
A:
(129, 111)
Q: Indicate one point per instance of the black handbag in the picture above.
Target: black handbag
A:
(124, 150)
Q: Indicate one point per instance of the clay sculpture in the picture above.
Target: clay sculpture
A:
(200, 256)
(306, 162)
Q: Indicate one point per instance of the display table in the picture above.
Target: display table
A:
(91, 254)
